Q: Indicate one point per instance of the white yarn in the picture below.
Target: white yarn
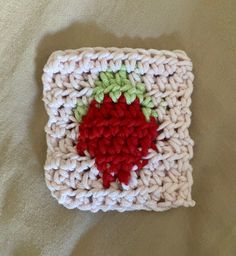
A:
(166, 181)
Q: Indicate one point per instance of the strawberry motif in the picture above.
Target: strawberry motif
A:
(117, 128)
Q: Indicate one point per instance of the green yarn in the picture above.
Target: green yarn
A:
(141, 87)
(154, 113)
(123, 68)
(99, 97)
(147, 112)
(117, 83)
(80, 110)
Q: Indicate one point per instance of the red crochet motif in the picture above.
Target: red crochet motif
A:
(118, 136)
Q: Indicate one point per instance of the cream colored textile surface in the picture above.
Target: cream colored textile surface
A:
(31, 221)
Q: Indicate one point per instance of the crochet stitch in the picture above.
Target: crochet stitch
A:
(117, 136)
(160, 83)
(115, 85)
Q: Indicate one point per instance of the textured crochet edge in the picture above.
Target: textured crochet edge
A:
(51, 67)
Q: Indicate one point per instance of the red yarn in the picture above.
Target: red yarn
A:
(118, 136)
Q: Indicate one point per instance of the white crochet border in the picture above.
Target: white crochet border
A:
(72, 179)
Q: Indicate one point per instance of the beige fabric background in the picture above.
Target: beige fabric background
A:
(31, 222)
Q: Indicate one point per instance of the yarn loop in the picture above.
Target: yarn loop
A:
(118, 136)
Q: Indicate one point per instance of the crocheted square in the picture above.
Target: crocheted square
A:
(117, 132)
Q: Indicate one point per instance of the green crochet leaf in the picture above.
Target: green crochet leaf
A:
(80, 110)
(116, 84)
